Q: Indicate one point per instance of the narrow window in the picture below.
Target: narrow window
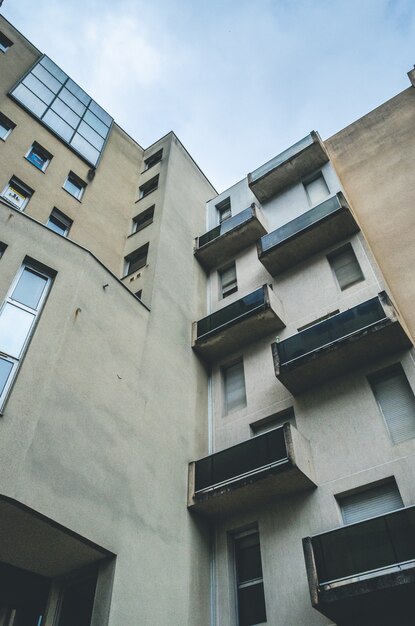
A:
(369, 502)
(38, 156)
(6, 127)
(5, 42)
(17, 193)
(59, 223)
(143, 219)
(74, 185)
(316, 189)
(234, 386)
(136, 260)
(396, 402)
(153, 159)
(148, 187)
(224, 210)
(249, 579)
(227, 280)
(345, 266)
(18, 317)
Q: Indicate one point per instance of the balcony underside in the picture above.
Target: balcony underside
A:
(302, 245)
(362, 348)
(379, 601)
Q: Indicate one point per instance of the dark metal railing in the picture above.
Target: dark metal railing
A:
(330, 330)
(304, 221)
(232, 313)
(357, 549)
(243, 459)
(226, 226)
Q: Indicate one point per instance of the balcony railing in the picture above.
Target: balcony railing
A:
(223, 242)
(315, 230)
(227, 481)
(355, 337)
(258, 312)
(364, 570)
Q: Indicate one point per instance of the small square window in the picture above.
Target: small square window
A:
(148, 187)
(59, 223)
(224, 210)
(39, 157)
(17, 193)
(153, 159)
(143, 219)
(136, 260)
(227, 280)
(345, 266)
(74, 185)
(316, 189)
(5, 42)
(6, 126)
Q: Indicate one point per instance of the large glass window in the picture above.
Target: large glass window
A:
(48, 93)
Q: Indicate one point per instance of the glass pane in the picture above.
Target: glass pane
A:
(96, 123)
(29, 288)
(39, 88)
(71, 101)
(15, 196)
(103, 115)
(85, 148)
(317, 190)
(78, 92)
(57, 226)
(251, 605)
(5, 370)
(38, 159)
(57, 124)
(29, 100)
(88, 133)
(248, 558)
(15, 326)
(47, 78)
(232, 312)
(54, 69)
(73, 187)
(66, 113)
(77, 604)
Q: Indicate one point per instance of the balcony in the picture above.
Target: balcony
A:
(337, 345)
(253, 472)
(364, 573)
(252, 317)
(320, 227)
(287, 168)
(223, 243)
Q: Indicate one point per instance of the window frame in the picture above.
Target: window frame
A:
(378, 485)
(148, 187)
(223, 208)
(76, 181)
(65, 220)
(344, 249)
(5, 43)
(224, 370)
(231, 287)
(36, 147)
(311, 179)
(7, 124)
(153, 159)
(20, 188)
(134, 255)
(141, 220)
(238, 537)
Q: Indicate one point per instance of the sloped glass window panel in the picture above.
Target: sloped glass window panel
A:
(103, 115)
(66, 113)
(38, 88)
(78, 92)
(54, 69)
(96, 123)
(46, 77)
(57, 124)
(29, 100)
(85, 148)
(90, 135)
(73, 102)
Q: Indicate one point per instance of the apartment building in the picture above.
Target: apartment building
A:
(207, 407)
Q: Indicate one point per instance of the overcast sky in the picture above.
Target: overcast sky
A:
(237, 80)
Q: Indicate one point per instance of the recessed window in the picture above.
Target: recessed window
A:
(17, 193)
(6, 127)
(38, 156)
(153, 159)
(273, 421)
(234, 386)
(370, 501)
(316, 189)
(59, 223)
(136, 260)
(148, 187)
(396, 402)
(138, 294)
(5, 42)
(227, 281)
(345, 266)
(143, 219)
(224, 210)
(74, 185)
(249, 579)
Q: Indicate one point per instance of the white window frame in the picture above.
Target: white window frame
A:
(20, 188)
(36, 147)
(75, 180)
(16, 361)
(8, 125)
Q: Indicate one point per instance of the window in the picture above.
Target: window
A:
(396, 402)
(370, 501)
(138, 294)
(316, 189)
(6, 126)
(5, 42)
(345, 266)
(59, 223)
(227, 281)
(153, 159)
(136, 260)
(143, 219)
(273, 421)
(224, 210)
(51, 96)
(18, 317)
(17, 193)
(234, 386)
(249, 579)
(148, 187)
(2, 248)
(74, 185)
(38, 156)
